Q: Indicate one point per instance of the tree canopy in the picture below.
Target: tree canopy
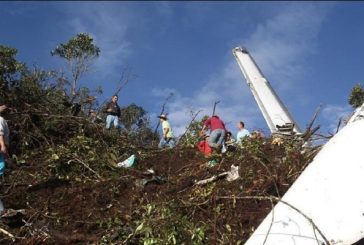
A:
(79, 53)
(9, 66)
(356, 97)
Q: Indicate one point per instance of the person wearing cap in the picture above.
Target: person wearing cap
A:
(113, 112)
(218, 130)
(168, 137)
(4, 140)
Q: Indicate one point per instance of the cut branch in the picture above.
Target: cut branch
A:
(8, 234)
(86, 166)
(212, 179)
(162, 111)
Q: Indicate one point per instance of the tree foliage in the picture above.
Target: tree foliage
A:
(64, 169)
(192, 137)
(137, 125)
(132, 116)
(9, 66)
(356, 97)
(41, 114)
(79, 52)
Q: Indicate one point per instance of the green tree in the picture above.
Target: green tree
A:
(9, 66)
(137, 125)
(79, 52)
(356, 97)
(132, 116)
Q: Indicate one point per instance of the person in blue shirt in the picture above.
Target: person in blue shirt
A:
(242, 131)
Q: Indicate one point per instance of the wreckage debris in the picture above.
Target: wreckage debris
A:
(127, 163)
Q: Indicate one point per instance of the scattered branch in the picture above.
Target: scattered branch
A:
(124, 77)
(86, 166)
(8, 234)
(212, 179)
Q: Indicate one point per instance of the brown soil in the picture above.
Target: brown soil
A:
(77, 212)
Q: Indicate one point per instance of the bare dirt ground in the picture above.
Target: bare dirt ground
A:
(109, 210)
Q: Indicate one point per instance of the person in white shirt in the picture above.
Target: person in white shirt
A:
(4, 140)
(242, 131)
(168, 137)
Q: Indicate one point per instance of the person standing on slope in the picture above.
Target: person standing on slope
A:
(168, 137)
(113, 112)
(218, 131)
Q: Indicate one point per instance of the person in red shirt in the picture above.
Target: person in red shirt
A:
(204, 147)
(218, 131)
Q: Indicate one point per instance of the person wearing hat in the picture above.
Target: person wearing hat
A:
(168, 137)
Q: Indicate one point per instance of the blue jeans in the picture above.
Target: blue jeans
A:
(216, 138)
(112, 119)
(164, 143)
(2, 164)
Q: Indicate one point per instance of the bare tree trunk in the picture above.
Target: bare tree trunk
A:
(216, 102)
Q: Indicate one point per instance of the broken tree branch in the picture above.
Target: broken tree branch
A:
(86, 166)
(212, 179)
(338, 125)
(162, 110)
(216, 102)
(8, 234)
(126, 79)
(313, 118)
(189, 126)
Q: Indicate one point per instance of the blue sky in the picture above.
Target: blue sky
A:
(312, 53)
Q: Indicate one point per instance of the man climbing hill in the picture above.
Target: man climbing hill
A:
(168, 137)
(218, 131)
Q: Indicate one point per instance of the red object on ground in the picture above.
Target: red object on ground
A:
(204, 147)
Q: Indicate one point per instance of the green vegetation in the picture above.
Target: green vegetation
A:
(63, 168)
(356, 97)
(79, 53)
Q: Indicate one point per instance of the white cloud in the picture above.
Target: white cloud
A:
(227, 87)
(108, 24)
(279, 45)
(332, 114)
